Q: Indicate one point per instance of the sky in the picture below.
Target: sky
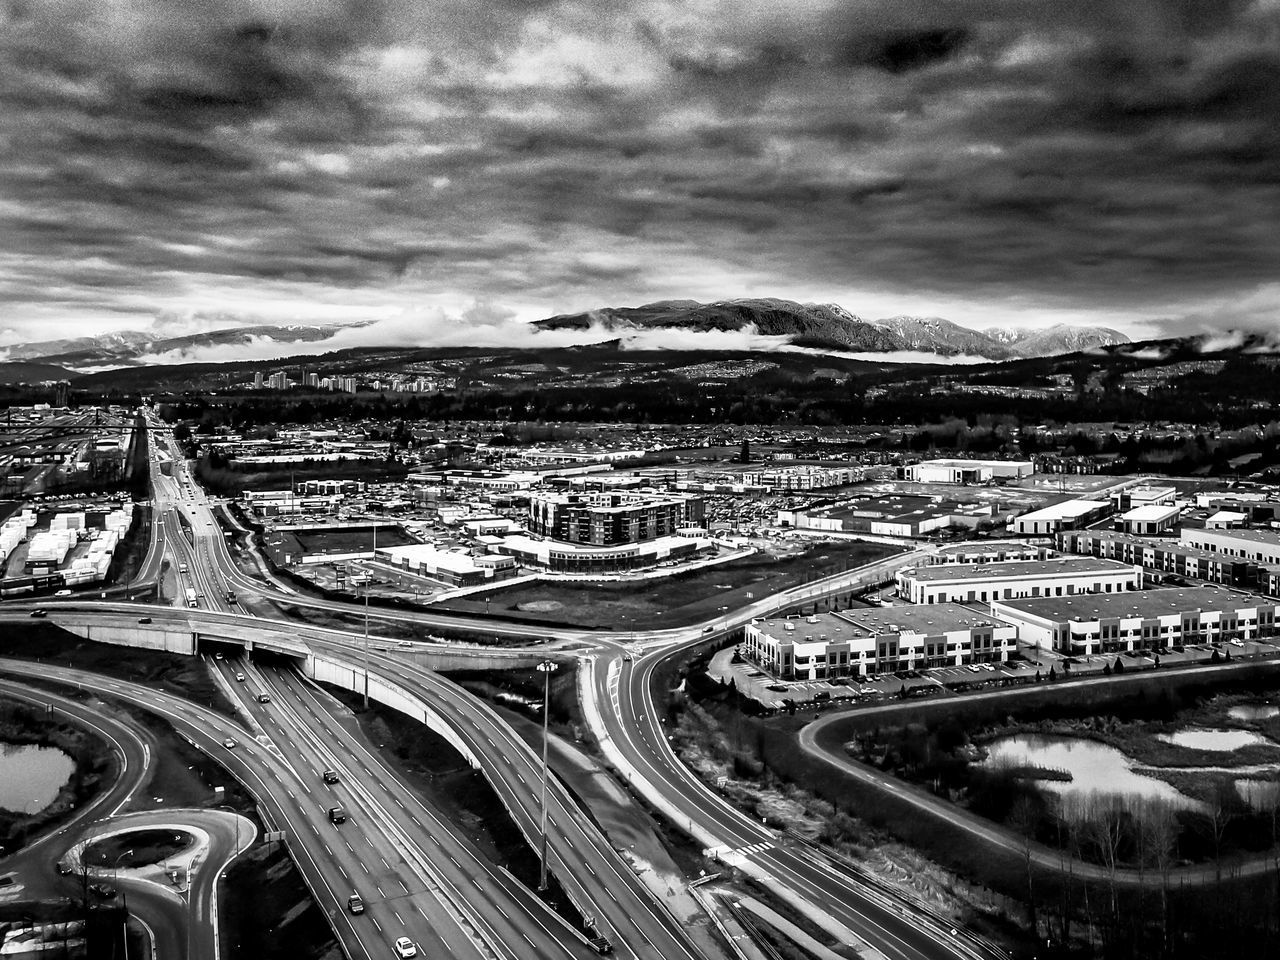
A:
(451, 168)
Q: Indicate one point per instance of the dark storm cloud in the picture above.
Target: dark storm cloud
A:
(1110, 157)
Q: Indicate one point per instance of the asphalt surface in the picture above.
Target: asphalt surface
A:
(600, 882)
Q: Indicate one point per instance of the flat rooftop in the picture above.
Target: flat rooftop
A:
(1116, 536)
(1151, 513)
(1269, 537)
(1067, 510)
(1147, 604)
(1006, 569)
(930, 618)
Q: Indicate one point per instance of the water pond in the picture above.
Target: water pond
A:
(1095, 768)
(31, 776)
(1201, 738)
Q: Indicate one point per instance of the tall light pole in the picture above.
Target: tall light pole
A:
(546, 667)
(124, 902)
(368, 576)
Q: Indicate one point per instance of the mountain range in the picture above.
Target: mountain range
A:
(128, 347)
(823, 327)
(828, 326)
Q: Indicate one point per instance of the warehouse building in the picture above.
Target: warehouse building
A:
(862, 643)
(1149, 520)
(970, 583)
(1163, 556)
(453, 567)
(968, 471)
(1068, 515)
(1139, 620)
(610, 519)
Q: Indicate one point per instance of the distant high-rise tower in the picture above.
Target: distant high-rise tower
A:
(62, 393)
(257, 380)
(313, 379)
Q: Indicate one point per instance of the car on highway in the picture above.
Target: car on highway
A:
(63, 593)
(229, 743)
(337, 815)
(39, 613)
(355, 904)
(264, 698)
(406, 948)
(331, 776)
(218, 656)
(239, 678)
(144, 619)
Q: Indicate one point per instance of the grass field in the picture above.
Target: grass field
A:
(672, 601)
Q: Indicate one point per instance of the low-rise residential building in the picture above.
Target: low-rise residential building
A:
(1068, 515)
(970, 583)
(990, 551)
(803, 478)
(1260, 546)
(864, 642)
(1164, 556)
(1149, 520)
(1141, 619)
(968, 471)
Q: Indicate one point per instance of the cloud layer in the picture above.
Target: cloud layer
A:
(988, 160)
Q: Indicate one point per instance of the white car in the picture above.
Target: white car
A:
(406, 948)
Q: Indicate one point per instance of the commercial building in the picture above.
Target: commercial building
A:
(1142, 619)
(889, 516)
(610, 519)
(559, 557)
(968, 471)
(1148, 520)
(1163, 556)
(969, 583)
(275, 503)
(448, 566)
(866, 642)
(1068, 515)
(1260, 546)
(1143, 495)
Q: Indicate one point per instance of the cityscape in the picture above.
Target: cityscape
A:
(672, 481)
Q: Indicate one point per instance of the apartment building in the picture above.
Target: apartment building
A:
(1163, 556)
(610, 519)
(1261, 546)
(862, 643)
(1139, 620)
(1062, 576)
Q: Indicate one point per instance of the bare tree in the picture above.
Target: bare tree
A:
(1024, 818)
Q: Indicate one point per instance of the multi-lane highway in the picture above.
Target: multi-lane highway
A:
(418, 874)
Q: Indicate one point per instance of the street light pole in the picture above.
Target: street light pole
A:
(545, 668)
(366, 620)
(124, 902)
